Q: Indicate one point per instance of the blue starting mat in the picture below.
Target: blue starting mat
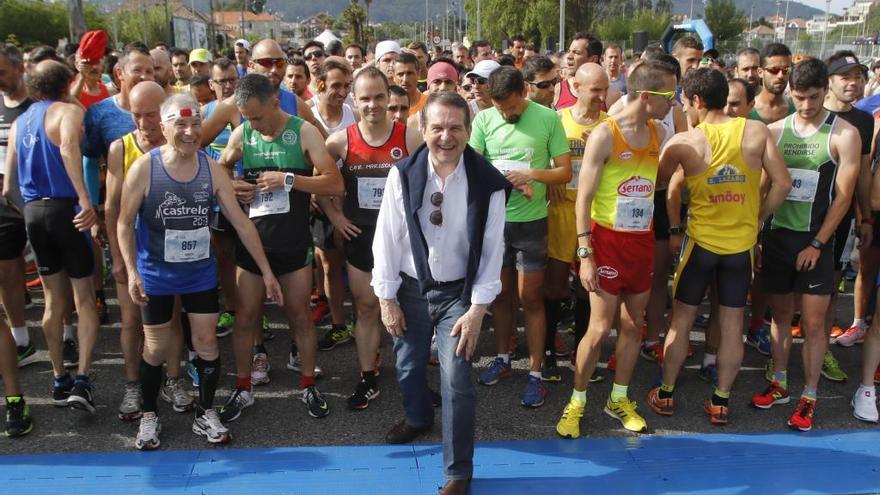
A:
(819, 462)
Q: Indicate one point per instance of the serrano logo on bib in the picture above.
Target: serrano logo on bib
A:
(606, 271)
(396, 153)
(636, 187)
(288, 137)
(625, 155)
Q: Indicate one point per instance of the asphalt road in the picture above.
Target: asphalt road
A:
(280, 419)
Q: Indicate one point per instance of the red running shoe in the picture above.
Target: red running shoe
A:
(802, 419)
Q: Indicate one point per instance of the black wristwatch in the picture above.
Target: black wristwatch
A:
(816, 243)
(674, 230)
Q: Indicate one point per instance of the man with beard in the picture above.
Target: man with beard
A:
(162, 70)
(748, 66)
(771, 104)
(584, 48)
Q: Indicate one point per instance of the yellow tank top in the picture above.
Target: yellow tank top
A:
(130, 152)
(723, 213)
(574, 132)
(624, 200)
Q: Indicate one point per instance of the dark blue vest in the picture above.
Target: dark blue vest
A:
(483, 180)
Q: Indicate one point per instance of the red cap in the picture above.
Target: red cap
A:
(442, 70)
(92, 46)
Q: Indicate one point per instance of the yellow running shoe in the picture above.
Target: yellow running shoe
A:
(570, 424)
(624, 410)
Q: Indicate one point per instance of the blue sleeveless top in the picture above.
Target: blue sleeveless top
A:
(41, 172)
(174, 254)
(288, 102)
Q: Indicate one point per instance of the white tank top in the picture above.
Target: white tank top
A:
(347, 119)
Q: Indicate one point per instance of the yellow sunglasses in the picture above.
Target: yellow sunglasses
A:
(669, 95)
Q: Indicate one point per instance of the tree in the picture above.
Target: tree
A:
(724, 19)
(354, 18)
(619, 28)
(43, 23)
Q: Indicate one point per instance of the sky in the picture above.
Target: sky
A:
(836, 5)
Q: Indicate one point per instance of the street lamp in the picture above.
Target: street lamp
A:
(825, 31)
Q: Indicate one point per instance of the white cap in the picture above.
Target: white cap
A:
(244, 44)
(386, 46)
(483, 68)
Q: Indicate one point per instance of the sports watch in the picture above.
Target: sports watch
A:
(584, 252)
(288, 181)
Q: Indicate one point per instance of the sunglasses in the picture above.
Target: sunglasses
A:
(544, 84)
(478, 80)
(669, 95)
(777, 70)
(223, 82)
(314, 54)
(436, 217)
(268, 63)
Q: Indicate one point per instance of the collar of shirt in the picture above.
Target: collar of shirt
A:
(456, 175)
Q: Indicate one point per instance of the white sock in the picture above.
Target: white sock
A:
(858, 322)
(21, 336)
(536, 374)
(191, 355)
(709, 359)
(68, 333)
(505, 357)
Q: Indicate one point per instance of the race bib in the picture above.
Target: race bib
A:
(803, 185)
(505, 166)
(634, 214)
(182, 246)
(370, 191)
(575, 172)
(271, 202)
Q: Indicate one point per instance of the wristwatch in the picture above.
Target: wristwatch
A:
(816, 243)
(288, 181)
(675, 230)
(584, 252)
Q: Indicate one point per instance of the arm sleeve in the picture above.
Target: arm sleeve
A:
(487, 284)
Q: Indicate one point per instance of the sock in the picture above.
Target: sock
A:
(536, 374)
(68, 333)
(579, 396)
(618, 392)
(99, 294)
(552, 312)
(581, 319)
(867, 388)
(151, 383)
(781, 377)
(12, 399)
(709, 359)
(243, 383)
(369, 377)
(666, 391)
(209, 375)
(306, 381)
(720, 398)
(21, 336)
(505, 357)
(81, 379)
(809, 393)
(260, 349)
(858, 322)
(62, 380)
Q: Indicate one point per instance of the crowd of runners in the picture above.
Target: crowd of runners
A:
(640, 186)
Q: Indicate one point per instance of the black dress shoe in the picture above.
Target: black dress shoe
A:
(403, 433)
(436, 400)
(456, 487)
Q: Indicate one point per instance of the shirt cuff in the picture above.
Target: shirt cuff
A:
(386, 289)
(485, 293)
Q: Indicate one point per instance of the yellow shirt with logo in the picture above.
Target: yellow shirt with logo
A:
(574, 132)
(131, 151)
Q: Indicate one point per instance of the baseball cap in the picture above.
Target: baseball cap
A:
(844, 64)
(200, 55)
(442, 70)
(244, 44)
(92, 46)
(385, 47)
(483, 68)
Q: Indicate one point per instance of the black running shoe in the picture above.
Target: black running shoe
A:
(70, 354)
(27, 354)
(61, 390)
(237, 402)
(315, 402)
(81, 397)
(18, 417)
(362, 395)
(550, 371)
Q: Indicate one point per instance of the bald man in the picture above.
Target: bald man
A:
(163, 74)
(144, 101)
(590, 86)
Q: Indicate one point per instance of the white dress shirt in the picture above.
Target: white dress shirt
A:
(448, 243)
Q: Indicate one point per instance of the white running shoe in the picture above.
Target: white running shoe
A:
(853, 335)
(864, 404)
(175, 394)
(148, 432)
(260, 369)
(209, 426)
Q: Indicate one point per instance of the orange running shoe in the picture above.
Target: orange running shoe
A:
(35, 283)
(802, 418)
(836, 331)
(717, 414)
(663, 407)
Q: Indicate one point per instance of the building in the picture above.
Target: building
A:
(246, 23)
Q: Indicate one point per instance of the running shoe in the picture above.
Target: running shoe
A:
(315, 402)
(35, 283)
(208, 425)
(27, 354)
(709, 374)
(18, 417)
(81, 397)
(864, 404)
(103, 310)
(612, 362)
(148, 432)
(802, 418)
(663, 407)
(760, 340)
(550, 370)
(853, 335)
(70, 354)
(569, 425)
(717, 414)
(836, 331)
(30, 268)
(335, 336)
(260, 369)
(496, 372)
(652, 352)
(597, 376)
(192, 373)
(268, 334)
(831, 368)
(225, 324)
(796, 332)
(294, 363)
(174, 393)
(560, 347)
(624, 410)
(239, 401)
(363, 394)
(772, 395)
(61, 391)
(320, 311)
(132, 398)
(534, 393)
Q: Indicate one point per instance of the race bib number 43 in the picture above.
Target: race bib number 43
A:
(183, 246)
(803, 185)
(271, 202)
(370, 192)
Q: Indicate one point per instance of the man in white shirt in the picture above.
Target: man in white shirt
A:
(437, 265)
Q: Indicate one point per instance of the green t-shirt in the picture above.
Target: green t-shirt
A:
(530, 143)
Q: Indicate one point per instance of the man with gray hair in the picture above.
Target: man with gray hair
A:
(437, 263)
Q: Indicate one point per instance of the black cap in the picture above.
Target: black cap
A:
(844, 64)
